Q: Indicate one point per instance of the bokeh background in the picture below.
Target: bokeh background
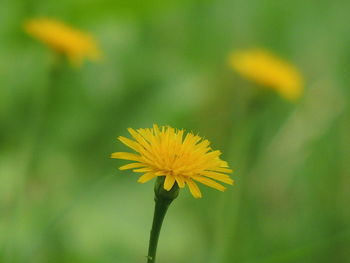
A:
(63, 200)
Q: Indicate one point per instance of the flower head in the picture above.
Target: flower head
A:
(64, 39)
(267, 69)
(182, 159)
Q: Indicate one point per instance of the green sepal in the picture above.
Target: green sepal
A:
(162, 194)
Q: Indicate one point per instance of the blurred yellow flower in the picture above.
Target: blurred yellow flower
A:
(64, 39)
(165, 151)
(267, 69)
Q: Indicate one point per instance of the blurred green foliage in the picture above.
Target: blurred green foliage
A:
(63, 200)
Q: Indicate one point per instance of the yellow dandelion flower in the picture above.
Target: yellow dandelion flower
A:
(267, 69)
(64, 39)
(182, 159)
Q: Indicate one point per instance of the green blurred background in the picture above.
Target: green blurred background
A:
(63, 200)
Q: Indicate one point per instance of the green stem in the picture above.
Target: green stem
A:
(43, 114)
(159, 214)
(162, 200)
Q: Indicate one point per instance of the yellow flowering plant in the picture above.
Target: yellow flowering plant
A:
(63, 39)
(176, 160)
(267, 69)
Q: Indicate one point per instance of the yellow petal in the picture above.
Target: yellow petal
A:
(169, 182)
(146, 177)
(156, 128)
(180, 181)
(143, 170)
(130, 143)
(125, 156)
(218, 176)
(210, 183)
(131, 166)
(193, 188)
(139, 138)
(223, 170)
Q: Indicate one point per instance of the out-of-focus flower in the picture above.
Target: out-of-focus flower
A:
(165, 151)
(269, 70)
(76, 45)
